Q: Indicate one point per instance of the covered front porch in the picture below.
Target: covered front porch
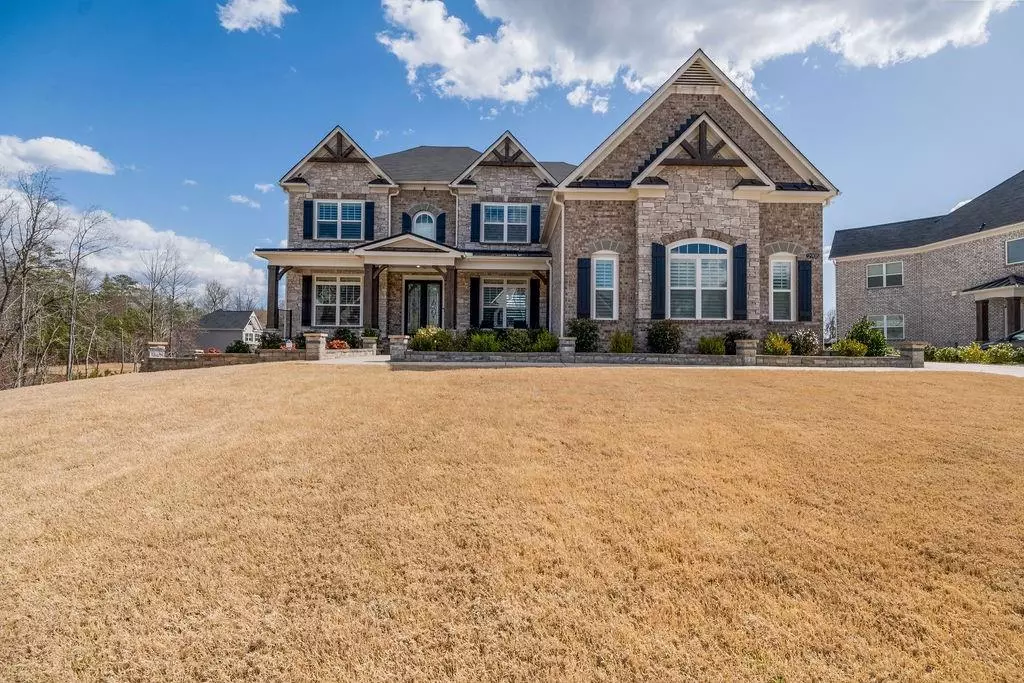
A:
(997, 307)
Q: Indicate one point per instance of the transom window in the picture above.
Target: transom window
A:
(782, 267)
(337, 301)
(504, 303)
(698, 281)
(891, 325)
(423, 225)
(339, 220)
(506, 223)
(885, 274)
(1014, 251)
(605, 301)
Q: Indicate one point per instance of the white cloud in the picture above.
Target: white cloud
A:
(488, 114)
(539, 43)
(189, 181)
(960, 203)
(264, 187)
(17, 155)
(408, 131)
(242, 199)
(599, 105)
(253, 15)
(378, 134)
(184, 207)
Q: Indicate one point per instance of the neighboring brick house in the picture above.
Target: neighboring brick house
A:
(947, 280)
(695, 209)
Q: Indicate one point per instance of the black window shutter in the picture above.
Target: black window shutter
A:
(535, 303)
(803, 283)
(582, 288)
(657, 281)
(474, 302)
(535, 223)
(474, 223)
(739, 282)
(307, 219)
(406, 223)
(442, 221)
(307, 300)
(368, 222)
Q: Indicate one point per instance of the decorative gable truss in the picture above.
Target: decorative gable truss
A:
(701, 142)
(506, 152)
(337, 147)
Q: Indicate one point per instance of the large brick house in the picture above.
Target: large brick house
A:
(947, 280)
(696, 209)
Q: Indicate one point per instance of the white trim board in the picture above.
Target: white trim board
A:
(494, 145)
(334, 131)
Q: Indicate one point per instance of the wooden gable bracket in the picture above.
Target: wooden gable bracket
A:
(281, 271)
(508, 158)
(701, 155)
(339, 154)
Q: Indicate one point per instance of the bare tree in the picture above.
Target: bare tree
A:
(831, 326)
(88, 237)
(215, 296)
(180, 278)
(155, 269)
(245, 299)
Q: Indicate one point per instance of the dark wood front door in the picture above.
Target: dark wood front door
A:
(422, 304)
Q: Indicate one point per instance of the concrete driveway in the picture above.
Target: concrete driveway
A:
(1010, 370)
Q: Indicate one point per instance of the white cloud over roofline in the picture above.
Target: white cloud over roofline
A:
(17, 155)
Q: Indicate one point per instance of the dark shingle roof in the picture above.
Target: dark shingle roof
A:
(224, 320)
(1002, 205)
(558, 169)
(1008, 281)
(436, 164)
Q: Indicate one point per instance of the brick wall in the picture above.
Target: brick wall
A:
(501, 184)
(293, 294)
(433, 201)
(795, 229)
(335, 181)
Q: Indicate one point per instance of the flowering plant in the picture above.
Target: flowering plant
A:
(337, 344)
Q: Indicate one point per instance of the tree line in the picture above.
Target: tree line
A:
(60, 318)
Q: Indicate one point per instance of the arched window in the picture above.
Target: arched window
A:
(782, 274)
(423, 225)
(699, 274)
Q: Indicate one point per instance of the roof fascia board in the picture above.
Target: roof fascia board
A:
(338, 259)
(932, 246)
(337, 129)
(494, 145)
(996, 292)
(506, 262)
(625, 194)
(374, 247)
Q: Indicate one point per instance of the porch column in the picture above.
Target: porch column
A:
(272, 316)
(451, 281)
(1013, 314)
(981, 321)
(368, 295)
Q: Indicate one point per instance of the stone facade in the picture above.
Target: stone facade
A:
(335, 181)
(412, 201)
(931, 299)
(500, 184)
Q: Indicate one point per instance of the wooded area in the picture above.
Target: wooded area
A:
(59, 318)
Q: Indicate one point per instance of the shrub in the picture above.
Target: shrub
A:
(544, 342)
(892, 352)
(515, 340)
(663, 337)
(929, 353)
(371, 332)
(1001, 354)
(775, 344)
(338, 345)
(849, 347)
(587, 334)
(237, 346)
(483, 341)
(804, 343)
(712, 346)
(621, 342)
(349, 336)
(1018, 355)
(972, 354)
(868, 335)
(271, 340)
(432, 338)
(732, 336)
(947, 354)
(300, 341)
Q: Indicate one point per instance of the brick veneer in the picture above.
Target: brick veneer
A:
(335, 181)
(500, 184)
(434, 201)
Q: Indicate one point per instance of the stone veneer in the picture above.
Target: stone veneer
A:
(435, 202)
(500, 184)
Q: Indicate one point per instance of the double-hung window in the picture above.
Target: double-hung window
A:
(698, 281)
(504, 303)
(339, 220)
(605, 299)
(248, 336)
(337, 301)
(1014, 251)
(782, 269)
(891, 325)
(885, 274)
(506, 223)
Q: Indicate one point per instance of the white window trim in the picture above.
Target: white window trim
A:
(505, 239)
(669, 256)
(885, 325)
(614, 258)
(340, 279)
(782, 257)
(505, 283)
(339, 202)
(885, 274)
(433, 224)
(1006, 250)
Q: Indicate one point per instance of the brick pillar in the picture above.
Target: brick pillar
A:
(370, 343)
(316, 345)
(567, 349)
(399, 343)
(746, 349)
(914, 352)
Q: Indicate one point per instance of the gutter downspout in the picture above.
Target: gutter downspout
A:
(561, 256)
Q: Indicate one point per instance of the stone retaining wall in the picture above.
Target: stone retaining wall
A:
(682, 359)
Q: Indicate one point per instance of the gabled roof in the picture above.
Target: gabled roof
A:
(1002, 205)
(427, 163)
(406, 240)
(700, 72)
(225, 320)
(509, 142)
(289, 178)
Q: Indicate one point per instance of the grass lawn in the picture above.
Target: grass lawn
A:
(298, 522)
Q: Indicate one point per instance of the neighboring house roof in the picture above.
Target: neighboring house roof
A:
(427, 163)
(225, 320)
(1008, 281)
(1000, 206)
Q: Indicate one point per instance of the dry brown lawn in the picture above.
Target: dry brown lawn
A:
(301, 522)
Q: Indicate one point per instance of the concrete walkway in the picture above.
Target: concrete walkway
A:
(1008, 370)
(356, 360)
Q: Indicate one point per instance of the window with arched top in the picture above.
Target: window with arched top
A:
(782, 275)
(423, 225)
(699, 276)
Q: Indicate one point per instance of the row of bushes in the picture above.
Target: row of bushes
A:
(483, 341)
(997, 354)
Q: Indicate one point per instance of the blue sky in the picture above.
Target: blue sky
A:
(907, 112)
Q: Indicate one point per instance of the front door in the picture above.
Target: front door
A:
(422, 304)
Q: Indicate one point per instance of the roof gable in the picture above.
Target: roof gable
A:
(337, 147)
(506, 151)
(405, 241)
(225, 320)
